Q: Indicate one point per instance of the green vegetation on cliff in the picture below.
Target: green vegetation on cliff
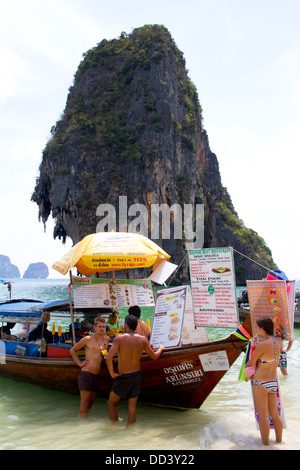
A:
(132, 126)
(97, 114)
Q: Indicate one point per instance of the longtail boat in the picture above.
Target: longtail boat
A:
(180, 378)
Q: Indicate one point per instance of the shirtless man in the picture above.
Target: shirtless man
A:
(130, 347)
(142, 328)
(88, 379)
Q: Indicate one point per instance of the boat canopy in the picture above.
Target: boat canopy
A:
(31, 311)
(16, 310)
(28, 310)
(50, 306)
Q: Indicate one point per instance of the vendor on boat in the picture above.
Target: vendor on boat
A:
(7, 328)
(142, 328)
(77, 329)
(41, 331)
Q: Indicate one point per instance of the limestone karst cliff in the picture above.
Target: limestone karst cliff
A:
(36, 271)
(132, 126)
(7, 269)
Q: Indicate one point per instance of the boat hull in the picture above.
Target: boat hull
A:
(177, 379)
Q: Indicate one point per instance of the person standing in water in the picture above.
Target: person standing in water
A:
(88, 378)
(266, 356)
(283, 355)
(130, 347)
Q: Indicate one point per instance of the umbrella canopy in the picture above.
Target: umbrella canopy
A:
(277, 274)
(111, 251)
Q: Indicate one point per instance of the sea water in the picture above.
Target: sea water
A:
(35, 418)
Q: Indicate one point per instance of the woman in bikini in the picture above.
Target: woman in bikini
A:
(266, 356)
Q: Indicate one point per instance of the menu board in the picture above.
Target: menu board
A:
(191, 334)
(213, 287)
(168, 317)
(269, 299)
(95, 293)
(173, 321)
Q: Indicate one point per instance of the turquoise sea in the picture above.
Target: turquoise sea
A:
(33, 418)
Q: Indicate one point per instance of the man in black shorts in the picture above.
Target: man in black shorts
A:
(128, 385)
(88, 381)
(130, 347)
(88, 378)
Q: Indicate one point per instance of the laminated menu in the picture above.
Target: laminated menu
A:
(173, 321)
(213, 287)
(112, 293)
(270, 299)
(168, 317)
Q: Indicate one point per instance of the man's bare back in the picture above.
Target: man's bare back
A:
(130, 348)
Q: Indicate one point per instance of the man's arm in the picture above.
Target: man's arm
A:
(153, 354)
(290, 344)
(81, 344)
(109, 358)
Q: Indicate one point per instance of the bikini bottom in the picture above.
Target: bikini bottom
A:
(271, 387)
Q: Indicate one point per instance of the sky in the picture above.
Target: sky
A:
(243, 57)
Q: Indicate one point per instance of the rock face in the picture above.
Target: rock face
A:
(8, 270)
(132, 127)
(36, 271)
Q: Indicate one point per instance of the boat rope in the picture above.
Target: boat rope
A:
(244, 346)
(261, 265)
(178, 267)
(242, 254)
(293, 358)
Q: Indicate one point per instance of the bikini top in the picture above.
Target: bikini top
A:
(271, 360)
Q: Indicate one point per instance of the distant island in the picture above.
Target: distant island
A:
(34, 270)
(7, 269)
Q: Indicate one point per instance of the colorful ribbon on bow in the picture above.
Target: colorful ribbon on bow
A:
(243, 334)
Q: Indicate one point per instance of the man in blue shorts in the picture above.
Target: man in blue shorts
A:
(130, 347)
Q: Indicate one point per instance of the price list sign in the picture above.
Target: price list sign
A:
(95, 293)
(213, 287)
(269, 299)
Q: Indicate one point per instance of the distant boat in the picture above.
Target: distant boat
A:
(8, 285)
(178, 379)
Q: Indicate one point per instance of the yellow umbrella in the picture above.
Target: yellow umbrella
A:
(111, 251)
